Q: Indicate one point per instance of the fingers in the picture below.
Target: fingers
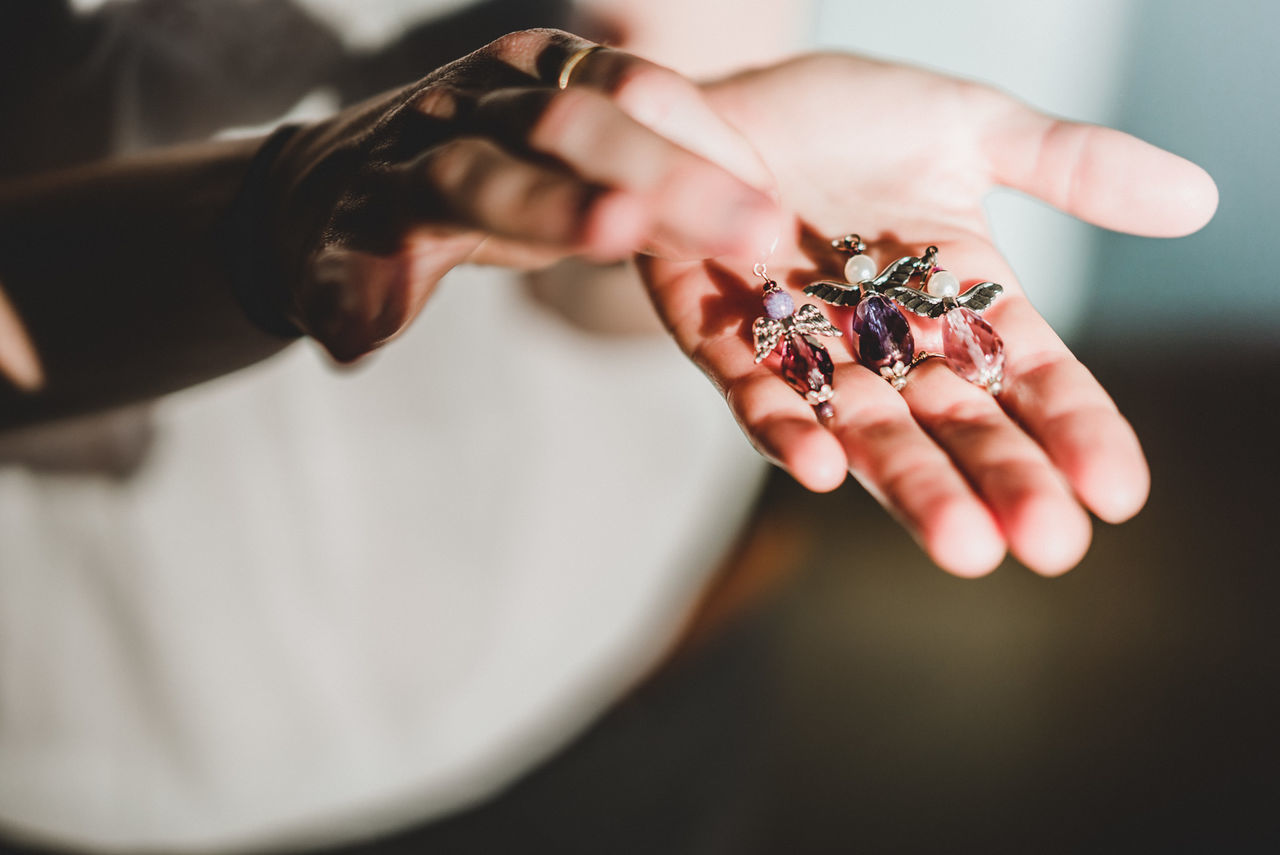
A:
(914, 477)
(1100, 175)
(968, 474)
(1031, 501)
(483, 187)
(674, 107)
(489, 155)
(1055, 401)
(1058, 401)
(1085, 435)
(657, 97)
(776, 420)
(875, 437)
(352, 301)
(624, 124)
(695, 209)
(19, 362)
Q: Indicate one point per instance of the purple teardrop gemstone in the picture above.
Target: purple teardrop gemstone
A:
(973, 349)
(807, 367)
(884, 336)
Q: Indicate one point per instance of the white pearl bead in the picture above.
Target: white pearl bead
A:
(943, 283)
(859, 268)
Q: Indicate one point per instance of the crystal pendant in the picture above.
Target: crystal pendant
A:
(885, 344)
(807, 367)
(806, 364)
(779, 305)
(973, 349)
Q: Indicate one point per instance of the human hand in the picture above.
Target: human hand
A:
(904, 158)
(487, 161)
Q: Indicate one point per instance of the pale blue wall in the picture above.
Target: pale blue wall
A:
(1200, 79)
(1204, 80)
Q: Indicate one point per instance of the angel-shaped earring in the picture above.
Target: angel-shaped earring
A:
(973, 349)
(885, 344)
(806, 364)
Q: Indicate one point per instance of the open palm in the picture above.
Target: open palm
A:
(904, 158)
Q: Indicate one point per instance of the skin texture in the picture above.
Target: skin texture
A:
(969, 475)
(486, 161)
(483, 162)
(117, 281)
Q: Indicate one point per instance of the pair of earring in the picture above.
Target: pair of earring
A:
(972, 348)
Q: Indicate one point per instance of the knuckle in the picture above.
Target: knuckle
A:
(882, 429)
(439, 101)
(475, 181)
(492, 197)
(917, 482)
(511, 44)
(706, 354)
(969, 413)
(354, 301)
(525, 43)
(327, 309)
(1037, 365)
(451, 167)
(748, 398)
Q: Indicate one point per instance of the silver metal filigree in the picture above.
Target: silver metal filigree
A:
(892, 283)
(926, 305)
(807, 320)
(767, 333)
(850, 293)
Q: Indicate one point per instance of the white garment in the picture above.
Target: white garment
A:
(331, 604)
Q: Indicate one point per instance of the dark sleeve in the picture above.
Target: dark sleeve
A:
(136, 74)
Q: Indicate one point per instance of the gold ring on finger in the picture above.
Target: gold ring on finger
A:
(575, 58)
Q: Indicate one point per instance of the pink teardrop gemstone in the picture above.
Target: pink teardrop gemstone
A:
(973, 349)
(807, 367)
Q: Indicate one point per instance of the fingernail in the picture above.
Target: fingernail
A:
(18, 358)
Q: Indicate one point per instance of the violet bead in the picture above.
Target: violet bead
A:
(779, 305)
(973, 349)
(884, 335)
(807, 367)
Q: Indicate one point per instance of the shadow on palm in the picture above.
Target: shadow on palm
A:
(904, 157)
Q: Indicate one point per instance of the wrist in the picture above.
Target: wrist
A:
(257, 279)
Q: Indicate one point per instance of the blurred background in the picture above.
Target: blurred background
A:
(838, 693)
(862, 700)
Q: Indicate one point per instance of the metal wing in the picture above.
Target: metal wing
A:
(917, 301)
(835, 293)
(895, 275)
(809, 320)
(980, 296)
(766, 331)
